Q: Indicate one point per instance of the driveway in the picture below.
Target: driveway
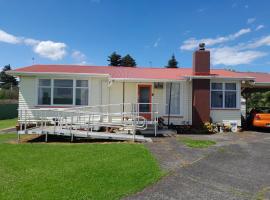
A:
(238, 167)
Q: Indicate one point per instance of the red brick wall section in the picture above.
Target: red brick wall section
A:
(200, 102)
(201, 62)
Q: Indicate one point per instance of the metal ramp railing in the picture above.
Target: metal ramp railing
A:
(85, 121)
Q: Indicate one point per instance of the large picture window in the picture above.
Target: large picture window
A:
(223, 95)
(175, 98)
(63, 92)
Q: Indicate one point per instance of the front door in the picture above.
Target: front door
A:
(145, 100)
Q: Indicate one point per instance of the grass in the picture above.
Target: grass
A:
(197, 143)
(74, 171)
(7, 123)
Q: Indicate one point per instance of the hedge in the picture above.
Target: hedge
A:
(8, 111)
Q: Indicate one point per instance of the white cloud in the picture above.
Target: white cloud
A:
(192, 43)
(30, 42)
(47, 49)
(234, 56)
(251, 20)
(259, 27)
(50, 49)
(79, 57)
(8, 38)
(263, 41)
(243, 53)
(157, 42)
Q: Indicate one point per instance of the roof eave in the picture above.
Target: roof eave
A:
(19, 73)
(219, 77)
(147, 80)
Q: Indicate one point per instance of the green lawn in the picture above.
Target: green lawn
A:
(7, 123)
(196, 143)
(74, 171)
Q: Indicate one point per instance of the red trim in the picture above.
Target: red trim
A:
(147, 116)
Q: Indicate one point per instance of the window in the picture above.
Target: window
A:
(81, 92)
(223, 95)
(175, 98)
(44, 92)
(62, 92)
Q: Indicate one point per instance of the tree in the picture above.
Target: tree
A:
(258, 99)
(114, 59)
(128, 61)
(172, 63)
(6, 80)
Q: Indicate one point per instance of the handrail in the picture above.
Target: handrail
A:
(80, 117)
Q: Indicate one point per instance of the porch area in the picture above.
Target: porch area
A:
(120, 122)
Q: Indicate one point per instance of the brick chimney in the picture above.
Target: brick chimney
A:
(201, 87)
(201, 61)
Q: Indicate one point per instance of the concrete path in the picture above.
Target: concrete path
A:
(238, 167)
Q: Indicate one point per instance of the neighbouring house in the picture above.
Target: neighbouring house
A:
(183, 95)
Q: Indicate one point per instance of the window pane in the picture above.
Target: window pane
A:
(216, 99)
(63, 83)
(44, 82)
(82, 96)
(81, 83)
(175, 98)
(230, 99)
(63, 96)
(216, 86)
(44, 96)
(230, 86)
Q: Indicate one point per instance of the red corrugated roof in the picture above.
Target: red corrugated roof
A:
(260, 77)
(127, 72)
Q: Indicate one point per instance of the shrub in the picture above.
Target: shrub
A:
(9, 94)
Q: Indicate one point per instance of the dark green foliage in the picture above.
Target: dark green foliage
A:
(114, 59)
(8, 111)
(8, 81)
(172, 63)
(9, 93)
(258, 99)
(128, 61)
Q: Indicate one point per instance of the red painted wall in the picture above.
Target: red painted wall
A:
(200, 102)
(201, 88)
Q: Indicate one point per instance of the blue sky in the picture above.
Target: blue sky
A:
(86, 31)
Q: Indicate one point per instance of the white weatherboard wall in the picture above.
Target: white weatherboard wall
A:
(101, 93)
(131, 92)
(220, 115)
(27, 92)
(185, 105)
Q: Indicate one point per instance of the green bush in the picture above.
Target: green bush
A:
(9, 94)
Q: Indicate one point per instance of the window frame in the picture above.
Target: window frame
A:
(73, 89)
(224, 90)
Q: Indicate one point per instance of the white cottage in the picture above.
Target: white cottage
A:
(182, 95)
